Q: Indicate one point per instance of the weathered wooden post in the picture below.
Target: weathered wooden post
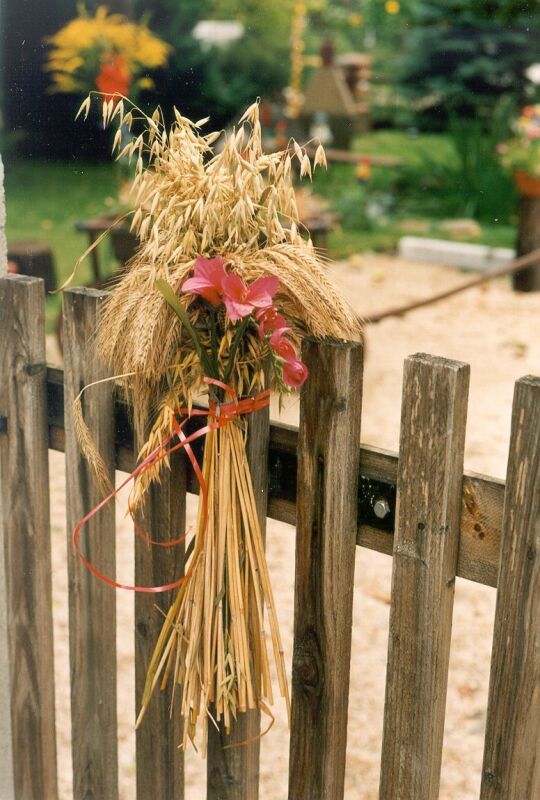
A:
(528, 280)
(25, 545)
(6, 757)
(326, 529)
(425, 552)
(92, 604)
(512, 744)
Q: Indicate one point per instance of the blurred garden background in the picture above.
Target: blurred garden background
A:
(432, 90)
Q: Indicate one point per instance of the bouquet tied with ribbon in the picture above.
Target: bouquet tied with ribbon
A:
(212, 307)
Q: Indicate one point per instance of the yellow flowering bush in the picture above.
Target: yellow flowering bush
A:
(106, 52)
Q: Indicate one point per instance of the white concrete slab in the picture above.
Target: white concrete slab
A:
(466, 256)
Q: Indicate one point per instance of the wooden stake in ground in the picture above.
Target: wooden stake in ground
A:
(528, 280)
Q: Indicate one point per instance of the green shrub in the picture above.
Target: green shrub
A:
(473, 184)
(462, 56)
(352, 207)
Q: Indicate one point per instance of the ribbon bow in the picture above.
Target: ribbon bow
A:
(222, 415)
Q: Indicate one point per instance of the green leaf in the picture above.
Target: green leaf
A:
(168, 293)
(234, 347)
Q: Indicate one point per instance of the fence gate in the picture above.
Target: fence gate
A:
(435, 522)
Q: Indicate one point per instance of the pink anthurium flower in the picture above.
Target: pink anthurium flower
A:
(295, 373)
(269, 319)
(241, 300)
(207, 281)
(282, 346)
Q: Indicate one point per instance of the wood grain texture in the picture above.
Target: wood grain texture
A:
(480, 536)
(328, 453)
(7, 788)
(430, 470)
(233, 774)
(92, 604)
(25, 536)
(160, 761)
(512, 748)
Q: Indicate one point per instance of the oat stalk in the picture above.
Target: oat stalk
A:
(235, 201)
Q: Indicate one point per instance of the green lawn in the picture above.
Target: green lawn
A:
(430, 187)
(344, 243)
(412, 149)
(45, 200)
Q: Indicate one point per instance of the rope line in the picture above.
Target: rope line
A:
(508, 269)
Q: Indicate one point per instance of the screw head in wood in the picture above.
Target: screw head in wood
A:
(381, 507)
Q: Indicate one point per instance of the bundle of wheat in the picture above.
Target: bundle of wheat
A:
(219, 293)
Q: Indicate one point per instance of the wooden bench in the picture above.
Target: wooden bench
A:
(34, 259)
(123, 242)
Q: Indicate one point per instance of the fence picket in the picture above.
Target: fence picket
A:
(160, 761)
(426, 540)
(328, 456)
(25, 539)
(233, 774)
(512, 747)
(92, 604)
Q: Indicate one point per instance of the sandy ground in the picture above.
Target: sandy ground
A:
(497, 332)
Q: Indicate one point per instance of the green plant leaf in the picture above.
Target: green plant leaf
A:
(234, 347)
(168, 293)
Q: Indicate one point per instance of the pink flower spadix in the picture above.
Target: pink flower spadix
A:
(294, 371)
(281, 345)
(207, 280)
(269, 319)
(241, 300)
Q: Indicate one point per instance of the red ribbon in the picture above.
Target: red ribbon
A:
(223, 415)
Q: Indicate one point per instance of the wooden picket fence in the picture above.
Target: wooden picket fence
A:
(419, 508)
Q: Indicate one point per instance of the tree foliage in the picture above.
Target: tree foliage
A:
(217, 81)
(463, 56)
(182, 82)
(258, 64)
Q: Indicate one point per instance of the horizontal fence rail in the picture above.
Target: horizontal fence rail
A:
(482, 497)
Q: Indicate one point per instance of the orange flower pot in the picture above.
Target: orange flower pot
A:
(527, 184)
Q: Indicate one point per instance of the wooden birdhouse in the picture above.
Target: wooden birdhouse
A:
(329, 97)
